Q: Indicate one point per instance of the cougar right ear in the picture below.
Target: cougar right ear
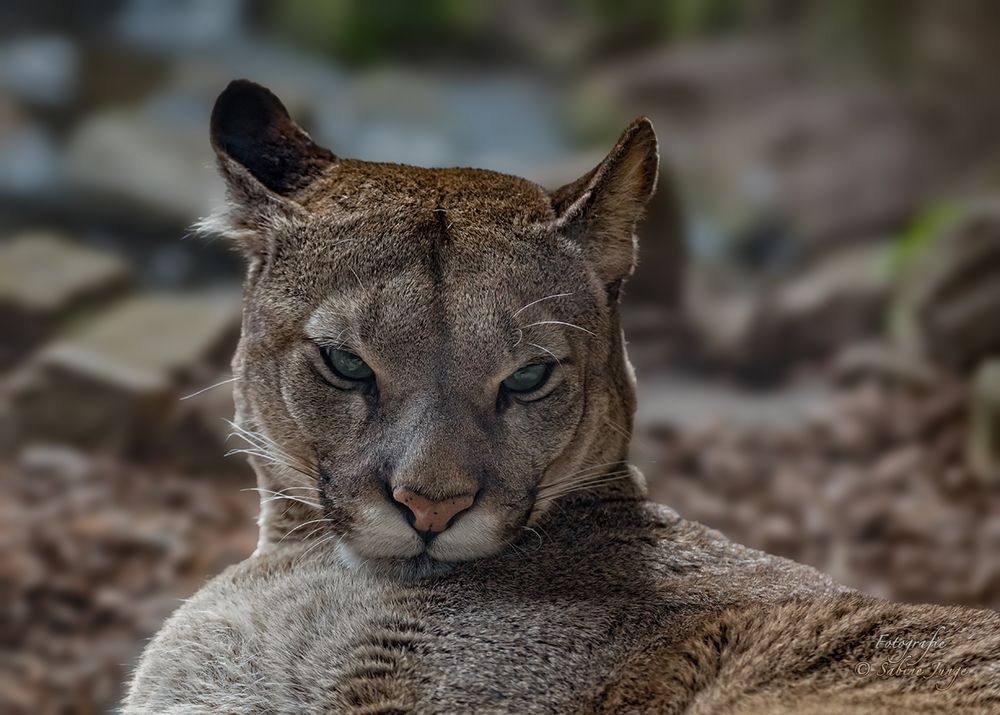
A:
(265, 158)
(600, 209)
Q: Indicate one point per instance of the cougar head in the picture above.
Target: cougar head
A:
(429, 357)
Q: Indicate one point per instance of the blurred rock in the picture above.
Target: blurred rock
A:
(948, 298)
(721, 325)
(43, 279)
(498, 121)
(30, 164)
(841, 146)
(837, 300)
(181, 26)
(691, 403)
(114, 382)
(857, 273)
(63, 465)
(690, 82)
(880, 362)
(983, 448)
(39, 69)
(152, 166)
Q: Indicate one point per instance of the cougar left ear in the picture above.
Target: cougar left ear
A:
(600, 209)
(251, 129)
(266, 160)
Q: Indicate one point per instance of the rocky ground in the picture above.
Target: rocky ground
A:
(94, 554)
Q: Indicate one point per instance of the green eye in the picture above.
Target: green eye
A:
(529, 377)
(347, 365)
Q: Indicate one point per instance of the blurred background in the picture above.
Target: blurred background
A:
(813, 323)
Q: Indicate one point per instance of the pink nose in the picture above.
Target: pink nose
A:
(430, 515)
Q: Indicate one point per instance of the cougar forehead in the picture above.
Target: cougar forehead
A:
(424, 234)
(476, 198)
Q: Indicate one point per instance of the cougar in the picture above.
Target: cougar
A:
(433, 386)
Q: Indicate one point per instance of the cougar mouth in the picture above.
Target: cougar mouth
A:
(380, 535)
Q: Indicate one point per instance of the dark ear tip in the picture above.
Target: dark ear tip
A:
(243, 107)
(643, 122)
(641, 129)
(241, 91)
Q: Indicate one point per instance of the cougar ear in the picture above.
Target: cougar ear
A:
(600, 209)
(265, 158)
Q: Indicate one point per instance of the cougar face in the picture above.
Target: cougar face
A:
(431, 356)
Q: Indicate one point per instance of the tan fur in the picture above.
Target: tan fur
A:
(562, 589)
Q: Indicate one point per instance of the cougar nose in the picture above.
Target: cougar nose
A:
(429, 515)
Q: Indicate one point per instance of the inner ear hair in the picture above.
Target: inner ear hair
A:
(600, 209)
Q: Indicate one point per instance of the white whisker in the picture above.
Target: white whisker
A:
(268, 449)
(254, 438)
(585, 471)
(620, 430)
(278, 496)
(268, 491)
(583, 486)
(569, 486)
(336, 342)
(210, 387)
(548, 351)
(537, 535)
(325, 540)
(572, 484)
(273, 460)
(305, 523)
(357, 278)
(557, 322)
(312, 532)
(292, 500)
(535, 302)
